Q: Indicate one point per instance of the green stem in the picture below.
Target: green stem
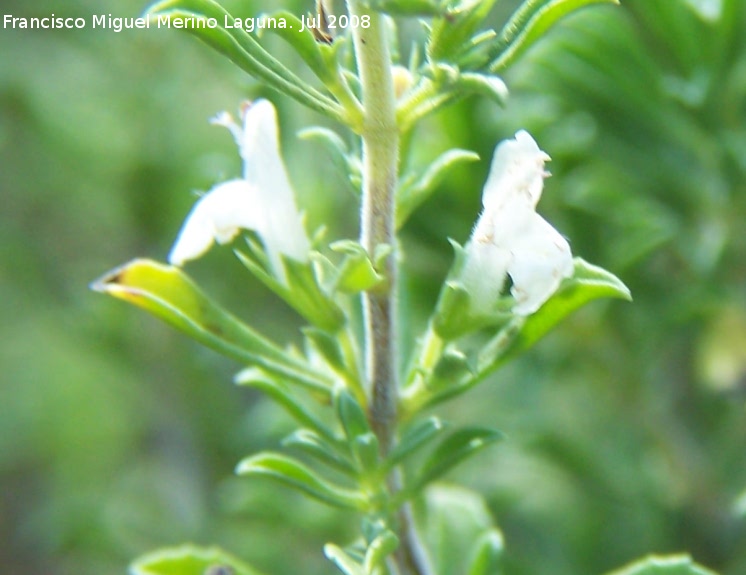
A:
(380, 135)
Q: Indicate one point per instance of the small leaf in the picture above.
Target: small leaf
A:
(325, 451)
(486, 85)
(416, 189)
(452, 368)
(190, 560)
(243, 50)
(487, 553)
(285, 397)
(358, 272)
(529, 23)
(327, 346)
(457, 526)
(303, 291)
(366, 450)
(350, 413)
(415, 436)
(318, 56)
(664, 565)
(451, 32)
(293, 473)
(451, 451)
(345, 162)
(380, 548)
(408, 7)
(344, 562)
(168, 293)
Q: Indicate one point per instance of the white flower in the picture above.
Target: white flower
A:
(262, 201)
(510, 238)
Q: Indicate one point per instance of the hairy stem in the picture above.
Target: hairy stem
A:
(380, 135)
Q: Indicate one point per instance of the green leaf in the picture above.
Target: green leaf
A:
(529, 23)
(664, 565)
(487, 553)
(414, 190)
(318, 56)
(380, 548)
(458, 529)
(243, 50)
(486, 85)
(588, 283)
(327, 347)
(293, 473)
(168, 293)
(451, 32)
(345, 162)
(415, 436)
(325, 451)
(358, 272)
(351, 414)
(452, 368)
(451, 451)
(287, 398)
(366, 450)
(303, 291)
(190, 560)
(408, 7)
(344, 562)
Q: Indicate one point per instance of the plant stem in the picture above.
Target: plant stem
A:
(380, 135)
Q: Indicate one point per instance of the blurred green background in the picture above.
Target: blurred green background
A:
(626, 426)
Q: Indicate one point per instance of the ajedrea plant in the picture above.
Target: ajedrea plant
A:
(364, 443)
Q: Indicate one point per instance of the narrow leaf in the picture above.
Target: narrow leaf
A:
(486, 553)
(408, 7)
(415, 436)
(345, 162)
(344, 562)
(351, 414)
(380, 548)
(665, 565)
(303, 292)
(293, 473)
(320, 448)
(451, 451)
(327, 347)
(358, 272)
(317, 55)
(454, 521)
(417, 189)
(450, 33)
(529, 23)
(243, 50)
(489, 86)
(285, 397)
(168, 293)
(190, 560)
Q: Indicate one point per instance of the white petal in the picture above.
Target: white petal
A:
(217, 216)
(517, 170)
(541, 259)
(484, 272)
(264, 168)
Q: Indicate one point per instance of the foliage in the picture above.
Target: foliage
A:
(633, 449)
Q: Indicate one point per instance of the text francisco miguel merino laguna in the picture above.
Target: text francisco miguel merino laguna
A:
(117, 24)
